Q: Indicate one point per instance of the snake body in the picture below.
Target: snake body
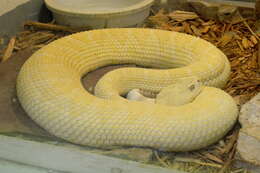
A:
(49, 89)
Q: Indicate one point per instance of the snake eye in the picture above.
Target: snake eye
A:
(192, 87)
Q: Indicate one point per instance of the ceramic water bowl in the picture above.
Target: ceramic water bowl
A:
(100, 13)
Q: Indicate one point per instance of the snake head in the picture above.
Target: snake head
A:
(184, 91)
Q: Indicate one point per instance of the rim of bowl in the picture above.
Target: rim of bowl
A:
(58, 8)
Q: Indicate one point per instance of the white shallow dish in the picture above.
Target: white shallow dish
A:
(100, 13)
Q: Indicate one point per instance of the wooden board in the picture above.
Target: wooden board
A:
(12, 167)
(67, 159)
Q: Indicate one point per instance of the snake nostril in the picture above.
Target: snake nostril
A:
(192, 87)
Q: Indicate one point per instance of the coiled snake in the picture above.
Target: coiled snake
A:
(49, 89)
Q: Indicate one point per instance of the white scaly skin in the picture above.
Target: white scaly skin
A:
(182, 92)
(135, 95)
(50, 90)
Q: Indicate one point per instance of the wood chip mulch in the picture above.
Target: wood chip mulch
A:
(238, 39)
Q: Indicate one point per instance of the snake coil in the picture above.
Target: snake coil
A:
(50, 90)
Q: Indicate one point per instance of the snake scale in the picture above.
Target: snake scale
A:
(49, 89)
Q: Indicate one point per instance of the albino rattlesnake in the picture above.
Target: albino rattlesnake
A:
(50, 90)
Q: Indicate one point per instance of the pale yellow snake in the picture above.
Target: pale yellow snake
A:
(50, 90)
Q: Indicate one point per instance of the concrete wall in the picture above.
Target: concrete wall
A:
(13, 13)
